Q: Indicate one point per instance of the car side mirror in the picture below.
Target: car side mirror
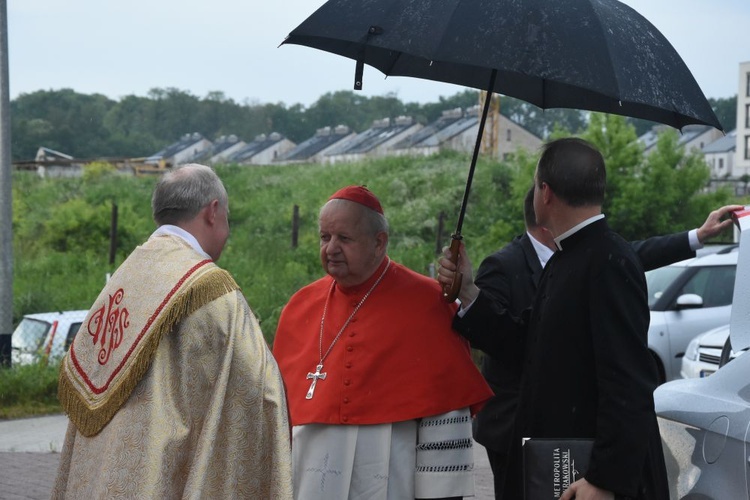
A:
(689, 301)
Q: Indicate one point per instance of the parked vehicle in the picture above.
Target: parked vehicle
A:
(45, 336)
(704, 424)
(705, 421)
(687, 299)
(706, 352)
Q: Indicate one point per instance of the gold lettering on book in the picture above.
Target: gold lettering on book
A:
(107, 326)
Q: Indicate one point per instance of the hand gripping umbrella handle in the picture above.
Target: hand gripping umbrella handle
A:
(450, 292)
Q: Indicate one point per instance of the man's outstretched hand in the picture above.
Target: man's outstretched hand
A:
(714, 224)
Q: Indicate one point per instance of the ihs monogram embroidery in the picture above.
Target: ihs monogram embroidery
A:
(107, 325)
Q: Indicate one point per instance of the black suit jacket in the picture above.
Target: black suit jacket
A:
(508, 281)
(509, 277)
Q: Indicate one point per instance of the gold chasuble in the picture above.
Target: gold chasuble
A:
(171, 389)
(397, 359)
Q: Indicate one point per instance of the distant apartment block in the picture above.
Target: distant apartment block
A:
(742, 153)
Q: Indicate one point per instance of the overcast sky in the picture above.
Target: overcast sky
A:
(119, 48)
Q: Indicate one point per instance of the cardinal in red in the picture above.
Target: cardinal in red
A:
(380, 389)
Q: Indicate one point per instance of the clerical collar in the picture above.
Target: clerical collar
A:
(365, 285)
(575, 229)
(543, 252)
(168, 229)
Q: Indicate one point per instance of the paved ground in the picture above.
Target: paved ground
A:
(29, 454)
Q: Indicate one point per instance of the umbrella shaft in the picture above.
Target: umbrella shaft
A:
(470, 177)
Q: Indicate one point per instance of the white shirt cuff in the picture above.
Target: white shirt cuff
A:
(463, 309)
(695, 243)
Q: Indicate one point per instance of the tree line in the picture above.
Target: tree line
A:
(94, 125)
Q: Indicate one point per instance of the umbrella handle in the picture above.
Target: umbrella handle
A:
(450, 292)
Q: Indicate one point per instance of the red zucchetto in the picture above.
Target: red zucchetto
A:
(358, 194)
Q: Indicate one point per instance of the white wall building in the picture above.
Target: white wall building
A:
(742, 154)
(720, 156)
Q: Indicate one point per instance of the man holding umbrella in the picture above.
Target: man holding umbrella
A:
(586, 369)
(509, 278)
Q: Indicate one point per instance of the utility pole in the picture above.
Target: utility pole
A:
(6, 193)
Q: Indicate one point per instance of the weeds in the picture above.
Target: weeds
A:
(28, 390)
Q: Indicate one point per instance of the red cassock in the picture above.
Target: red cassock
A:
(398, 359)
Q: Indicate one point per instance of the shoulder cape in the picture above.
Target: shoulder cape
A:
(160, 283)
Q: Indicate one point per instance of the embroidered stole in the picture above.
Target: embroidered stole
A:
(160, 283)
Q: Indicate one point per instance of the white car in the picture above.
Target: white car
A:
(45, 336)
(705, 431)
(687, 299)
(706, 352)
(705, 421)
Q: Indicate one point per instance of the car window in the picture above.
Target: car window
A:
(30, 333)
(74, 327)
(720, 288)
(659, 279)
(715, 285)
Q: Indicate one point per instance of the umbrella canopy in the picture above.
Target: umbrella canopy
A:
(597, 55)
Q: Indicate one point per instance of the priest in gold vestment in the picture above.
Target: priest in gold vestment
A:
(169, 385)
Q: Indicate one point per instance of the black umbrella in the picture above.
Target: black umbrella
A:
(597, 55)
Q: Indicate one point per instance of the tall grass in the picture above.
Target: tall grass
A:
(28, 390)
(61, 235)
(61, 226)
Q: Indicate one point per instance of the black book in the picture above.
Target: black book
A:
(551, 465)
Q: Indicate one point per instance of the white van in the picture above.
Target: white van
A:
(45, 336)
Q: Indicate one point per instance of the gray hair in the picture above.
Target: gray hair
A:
(375, 221)
(183, 192)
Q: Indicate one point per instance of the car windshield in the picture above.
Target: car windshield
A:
(30, 334)
(658, 280)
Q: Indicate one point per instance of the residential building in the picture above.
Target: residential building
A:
(457, 130)
(263, 150)
(742, 153)
(454, 130)
(514, 137)
(189, 146)
(692, 138)
(315, 148)
(720, 156)
(375, 141)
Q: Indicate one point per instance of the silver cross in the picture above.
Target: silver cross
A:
(314, 376)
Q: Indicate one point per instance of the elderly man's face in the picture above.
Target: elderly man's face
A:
(349, 252)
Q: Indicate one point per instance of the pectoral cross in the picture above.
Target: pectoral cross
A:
(314, 376)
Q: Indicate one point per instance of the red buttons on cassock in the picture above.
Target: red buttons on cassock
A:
(347, 381)
(349, 348)
(346, 400)
(352, 334)
(344, 418)
(348, 364)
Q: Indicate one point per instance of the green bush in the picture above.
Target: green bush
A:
(28, 390)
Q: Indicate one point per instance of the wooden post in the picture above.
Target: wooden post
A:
(113, 235)
(441, 225)
(295, 226)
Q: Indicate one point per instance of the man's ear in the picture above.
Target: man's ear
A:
(547, 193)
(210, 211)
(381, 240)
